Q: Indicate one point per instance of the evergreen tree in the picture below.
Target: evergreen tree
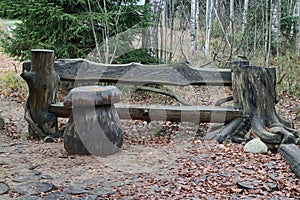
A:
(68, 27)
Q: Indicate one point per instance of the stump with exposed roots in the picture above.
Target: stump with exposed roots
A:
(254, 92)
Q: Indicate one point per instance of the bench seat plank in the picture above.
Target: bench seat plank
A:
(195, 114)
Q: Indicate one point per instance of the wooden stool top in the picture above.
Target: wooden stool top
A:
(92, 96)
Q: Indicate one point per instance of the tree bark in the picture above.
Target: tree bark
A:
(296, 14)
(194, 20)
(231, 18)
(208, 20)
(245, 13)
(42, 81)
(255, 95)
(276, 17)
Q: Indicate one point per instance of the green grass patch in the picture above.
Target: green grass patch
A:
(12, 84)
(290, 74)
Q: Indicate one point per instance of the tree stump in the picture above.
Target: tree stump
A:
(254, 92)
(94, 126)
(42, 81)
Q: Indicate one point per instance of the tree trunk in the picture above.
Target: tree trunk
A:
(194, 20)
(209, 9)
(255, 95)
(296, 14)
(276, 17)
(42, 81)
(267, 35)
(245, 13)
(231, 18)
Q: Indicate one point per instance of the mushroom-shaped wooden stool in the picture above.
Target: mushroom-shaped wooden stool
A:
(94, 126)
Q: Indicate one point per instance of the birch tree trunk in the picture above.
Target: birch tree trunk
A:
(172, 27)
(297, 16)
(245, 12)
(165, 39)
(267, 34)
(194, 21)
(276, 16)
(231, 17)
(153, 30)
(208, 20)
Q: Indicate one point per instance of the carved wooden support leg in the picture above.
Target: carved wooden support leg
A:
(42, 81)
(94, 126)
(255, 93)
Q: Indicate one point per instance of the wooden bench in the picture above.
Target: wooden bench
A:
(254, 98)
(254, 94)
(79, 71)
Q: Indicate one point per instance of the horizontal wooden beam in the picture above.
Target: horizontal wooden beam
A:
(195, 114)
(179, 74)
(291, 152)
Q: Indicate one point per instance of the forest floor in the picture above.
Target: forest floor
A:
(175, 165)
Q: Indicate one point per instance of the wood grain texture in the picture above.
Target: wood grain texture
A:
(42, 81)
(196, 114)
(292, 155)
(179, 74)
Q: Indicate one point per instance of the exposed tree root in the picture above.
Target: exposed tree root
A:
(254, 93)
(224, 100)
(38, 132)
(229, 130)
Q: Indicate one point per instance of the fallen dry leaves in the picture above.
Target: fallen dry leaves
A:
(215, 171)
(204, 170)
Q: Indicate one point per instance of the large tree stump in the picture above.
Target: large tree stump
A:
(42, 81)
(254, 92)
(94, 126)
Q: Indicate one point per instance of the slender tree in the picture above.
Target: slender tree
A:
(276, 33)
(245, 12)
(208, 22)
(296, 15)
(231, 19)
(194, 21)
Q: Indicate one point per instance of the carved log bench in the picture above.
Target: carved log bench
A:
(94, 126)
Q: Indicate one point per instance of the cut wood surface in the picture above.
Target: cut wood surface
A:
(179, 74)
(92, 95)
(195, 114)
